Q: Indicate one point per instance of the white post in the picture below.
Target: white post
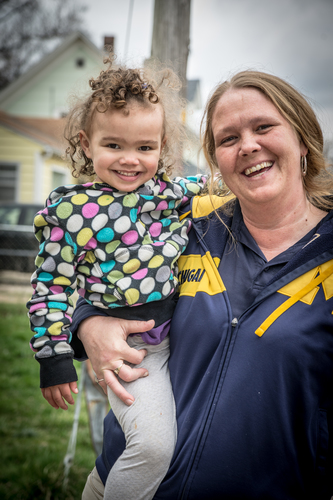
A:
(38, 178)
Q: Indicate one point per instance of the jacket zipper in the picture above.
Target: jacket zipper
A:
(234, 324)
(231, 333)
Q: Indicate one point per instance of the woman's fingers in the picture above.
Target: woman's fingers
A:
(129, 354)
(134, 326)
(127, 374)
(111, 377)
(115, 386)
(104, 339)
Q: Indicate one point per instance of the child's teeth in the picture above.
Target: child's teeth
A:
(128, 174)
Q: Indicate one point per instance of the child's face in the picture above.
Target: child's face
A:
(125, 149)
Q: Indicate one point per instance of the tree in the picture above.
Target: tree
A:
(171, 35)
(27, 27)
(170, 45)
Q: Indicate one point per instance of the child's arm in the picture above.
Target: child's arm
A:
(191, 186)
(50, 307)
(56, 395)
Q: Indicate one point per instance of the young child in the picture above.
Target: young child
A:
(117, 240)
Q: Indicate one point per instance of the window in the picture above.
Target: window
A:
(58, 179)
(9, 215)
(8, 182)
(80, 62)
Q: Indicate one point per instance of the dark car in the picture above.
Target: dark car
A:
(18, 245)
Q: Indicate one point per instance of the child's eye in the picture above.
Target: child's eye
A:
(145, 148)
(113, 146)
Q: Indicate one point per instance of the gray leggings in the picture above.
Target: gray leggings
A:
(149, 425)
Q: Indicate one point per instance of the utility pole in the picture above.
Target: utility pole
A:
(171, 35)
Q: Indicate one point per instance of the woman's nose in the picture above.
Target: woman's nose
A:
(248, 145)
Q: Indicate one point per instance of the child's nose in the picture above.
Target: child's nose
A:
(129, 160)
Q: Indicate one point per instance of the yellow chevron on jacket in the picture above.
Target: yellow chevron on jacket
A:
(304, 289)
(199, 273)
(296, 285)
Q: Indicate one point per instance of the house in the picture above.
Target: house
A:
(30, 158)
(43, 91)
(31, 120)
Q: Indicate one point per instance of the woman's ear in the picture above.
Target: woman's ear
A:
(85, 143)
(304, 149)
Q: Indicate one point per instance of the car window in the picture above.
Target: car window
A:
(9, 215)
(28, 215)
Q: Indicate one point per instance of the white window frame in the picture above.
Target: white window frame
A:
(61, 170)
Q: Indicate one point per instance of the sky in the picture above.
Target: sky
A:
(292, 39)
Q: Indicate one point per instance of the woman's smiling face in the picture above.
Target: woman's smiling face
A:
(257, 150)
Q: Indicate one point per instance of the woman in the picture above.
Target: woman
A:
(251, 338)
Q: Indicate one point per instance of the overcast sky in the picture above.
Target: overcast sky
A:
(292, 39)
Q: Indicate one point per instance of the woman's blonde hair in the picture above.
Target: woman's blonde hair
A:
(116, 88)
(318, 181)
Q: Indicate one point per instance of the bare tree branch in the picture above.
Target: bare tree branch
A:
(25, 28)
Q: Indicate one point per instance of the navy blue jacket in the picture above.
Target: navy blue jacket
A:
(254, 394)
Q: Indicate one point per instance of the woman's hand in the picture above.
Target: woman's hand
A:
(104, 339)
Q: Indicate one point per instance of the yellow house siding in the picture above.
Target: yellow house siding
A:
(15, 149)
(18, 150)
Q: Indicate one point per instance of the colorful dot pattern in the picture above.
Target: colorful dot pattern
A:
(118, 249)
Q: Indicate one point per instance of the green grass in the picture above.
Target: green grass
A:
(33, 435)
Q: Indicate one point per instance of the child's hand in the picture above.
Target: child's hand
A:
(56, 395)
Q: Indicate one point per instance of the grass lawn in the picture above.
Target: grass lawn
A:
(33, 435)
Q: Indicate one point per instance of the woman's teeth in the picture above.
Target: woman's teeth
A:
(258, 167)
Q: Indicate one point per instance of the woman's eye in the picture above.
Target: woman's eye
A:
(145, 148)
(227, 140)
(113, 146)
(264, 127)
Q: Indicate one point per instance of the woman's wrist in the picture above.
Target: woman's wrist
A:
(83, 328)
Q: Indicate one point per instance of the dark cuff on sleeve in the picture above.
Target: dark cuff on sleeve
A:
(56, 370)
(160, 311)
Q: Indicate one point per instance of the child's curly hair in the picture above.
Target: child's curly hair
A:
(116, 88)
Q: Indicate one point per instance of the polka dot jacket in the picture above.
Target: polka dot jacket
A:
(117, 249)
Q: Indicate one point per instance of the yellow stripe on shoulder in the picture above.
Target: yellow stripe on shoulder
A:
(204, 205)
